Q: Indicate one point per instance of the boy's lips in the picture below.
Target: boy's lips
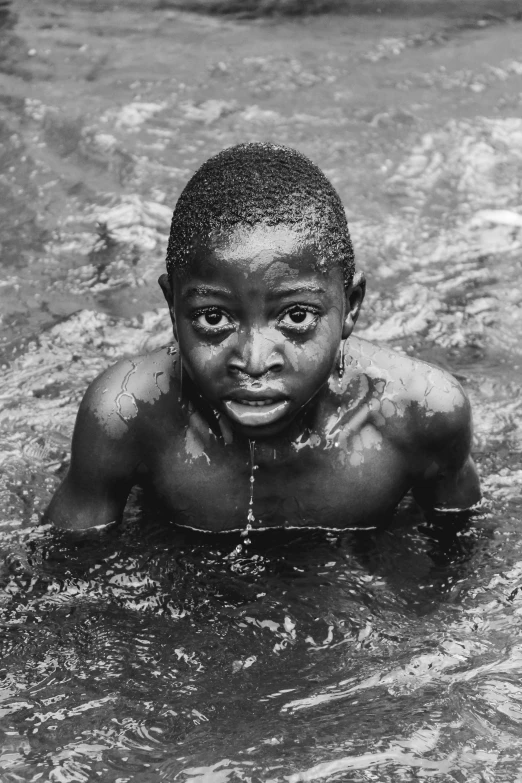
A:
(256, 411)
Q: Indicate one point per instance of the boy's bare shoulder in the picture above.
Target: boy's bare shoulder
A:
(131, 386)
(425, 401)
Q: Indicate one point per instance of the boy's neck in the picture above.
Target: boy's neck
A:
(277, 446)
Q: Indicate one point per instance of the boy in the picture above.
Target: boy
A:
(269, 413)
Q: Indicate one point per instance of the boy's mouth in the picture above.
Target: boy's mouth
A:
(256, 413)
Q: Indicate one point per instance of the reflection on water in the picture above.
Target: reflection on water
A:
(153, 653)
(179, 652)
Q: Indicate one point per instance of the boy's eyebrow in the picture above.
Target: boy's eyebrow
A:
(205, 290)
(302, 288)
(209, 290)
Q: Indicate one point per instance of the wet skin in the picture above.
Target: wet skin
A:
(263, 329)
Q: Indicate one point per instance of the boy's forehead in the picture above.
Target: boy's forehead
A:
(280, 250)
(283, 240)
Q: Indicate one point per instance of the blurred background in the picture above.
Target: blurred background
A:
(413, 108)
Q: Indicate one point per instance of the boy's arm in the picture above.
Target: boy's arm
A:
(103, 460)
(449, 481)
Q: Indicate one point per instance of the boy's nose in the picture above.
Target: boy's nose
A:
(256, 354)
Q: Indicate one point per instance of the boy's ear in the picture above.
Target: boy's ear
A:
(166, 286)
(354, 298)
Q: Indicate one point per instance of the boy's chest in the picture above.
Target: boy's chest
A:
(346, 481)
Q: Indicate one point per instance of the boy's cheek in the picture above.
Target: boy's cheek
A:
(309, 359)
(204, 359)
(293, 357)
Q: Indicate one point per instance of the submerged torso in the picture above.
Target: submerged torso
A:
(350, 469)
(317, 485)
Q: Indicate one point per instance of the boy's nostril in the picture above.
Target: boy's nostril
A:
(256, 356)
(255, 364)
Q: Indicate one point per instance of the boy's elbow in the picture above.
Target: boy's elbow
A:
(450, 488)
(462, 491)
(65, 509)
(71, 509)
(451, 481)
(60, 512)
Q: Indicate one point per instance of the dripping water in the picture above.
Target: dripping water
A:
(245, 535)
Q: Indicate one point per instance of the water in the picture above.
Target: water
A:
(156, 654)
(245, 535)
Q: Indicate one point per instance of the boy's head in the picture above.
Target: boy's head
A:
(260, 184)
(260, 284)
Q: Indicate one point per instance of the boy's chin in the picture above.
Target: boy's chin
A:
(261, 433)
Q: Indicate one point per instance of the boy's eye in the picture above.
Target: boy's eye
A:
(211, 320)
(300, 318)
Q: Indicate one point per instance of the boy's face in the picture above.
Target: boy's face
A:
(259, 325)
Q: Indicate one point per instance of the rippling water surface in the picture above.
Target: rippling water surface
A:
(157, 655)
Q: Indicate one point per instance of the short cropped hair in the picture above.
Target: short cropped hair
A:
(260, 184)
